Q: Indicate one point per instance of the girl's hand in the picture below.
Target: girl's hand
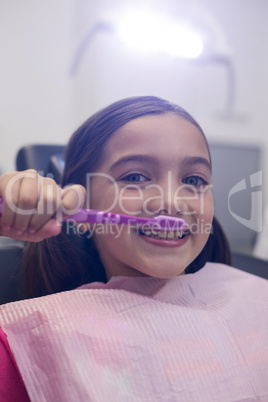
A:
(33, 206)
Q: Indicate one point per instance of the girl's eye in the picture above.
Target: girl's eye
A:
(194, 181)
(134, 178)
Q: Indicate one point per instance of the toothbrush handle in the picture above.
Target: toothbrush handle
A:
(95, 216)
(159, 222)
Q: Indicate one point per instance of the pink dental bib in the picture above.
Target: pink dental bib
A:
(198, 337)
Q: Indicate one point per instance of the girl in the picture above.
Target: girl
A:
(145, 322)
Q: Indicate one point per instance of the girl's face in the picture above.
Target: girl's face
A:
(150, 164)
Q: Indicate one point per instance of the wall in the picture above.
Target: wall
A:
(41, 101)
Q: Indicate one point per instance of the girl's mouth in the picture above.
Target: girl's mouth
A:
(162, 234)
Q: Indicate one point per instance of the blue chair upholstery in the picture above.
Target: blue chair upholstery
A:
(11, 275)
(251, 264)
(40, 158)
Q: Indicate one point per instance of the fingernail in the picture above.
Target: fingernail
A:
(31, 230)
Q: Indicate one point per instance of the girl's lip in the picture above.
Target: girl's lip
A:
(164, 242)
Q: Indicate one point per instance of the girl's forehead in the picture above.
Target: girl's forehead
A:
(167, 132)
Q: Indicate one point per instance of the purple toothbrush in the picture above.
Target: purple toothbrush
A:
(160, 222)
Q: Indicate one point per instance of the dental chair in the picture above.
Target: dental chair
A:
(250, 264)
(11, 281)
(47, 159)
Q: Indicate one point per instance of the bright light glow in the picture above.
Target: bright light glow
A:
(155, 34)
(184, 42)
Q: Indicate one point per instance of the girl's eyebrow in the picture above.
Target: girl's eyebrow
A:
(147, 159)
(150, 160)
(196, 160)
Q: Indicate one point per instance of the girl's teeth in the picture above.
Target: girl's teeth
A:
(148, 232)
(169, 235)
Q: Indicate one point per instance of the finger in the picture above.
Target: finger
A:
(10, 190)
(27, 202)
(51, 228)
(73, 198)
(48, 203)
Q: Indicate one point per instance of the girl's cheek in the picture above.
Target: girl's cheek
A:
(203, 206)
(130, 202)
(103, 195)
(112, 197)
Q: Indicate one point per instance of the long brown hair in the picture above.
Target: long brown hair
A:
(67, 261)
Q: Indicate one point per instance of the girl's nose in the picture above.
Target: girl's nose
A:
(167, 198)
